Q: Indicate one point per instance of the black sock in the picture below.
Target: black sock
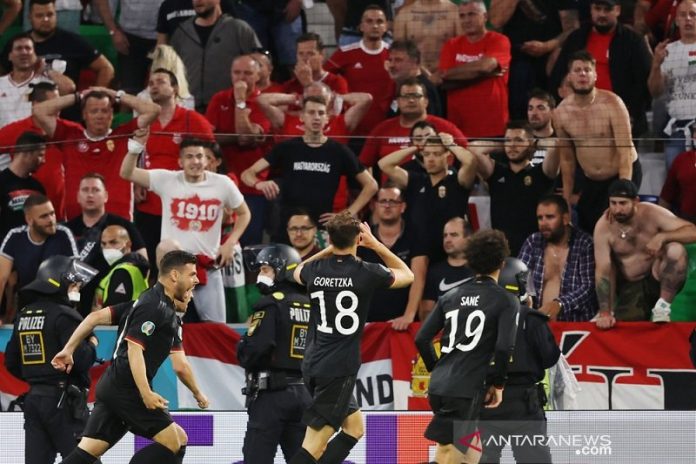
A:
(338, 448)
(154, 453)
(79, 456)
(303, 457)
(180, 455)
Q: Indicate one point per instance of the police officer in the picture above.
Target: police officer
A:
(271, 352)
(524, 399)
(55, 408)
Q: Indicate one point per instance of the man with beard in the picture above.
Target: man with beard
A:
(640, 258)
(594, 131)
(560, 258)
(516, 186)
(207, 44)
(540, 108)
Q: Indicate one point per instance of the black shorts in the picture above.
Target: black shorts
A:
(452, 416)
(332, 401)
(119, 410)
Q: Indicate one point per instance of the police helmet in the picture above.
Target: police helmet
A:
(57, 273)
(282, 258)
(513, 277)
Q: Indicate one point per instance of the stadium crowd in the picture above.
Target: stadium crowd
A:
(220, 125)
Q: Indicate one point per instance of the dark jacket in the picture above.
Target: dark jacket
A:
(629, 66)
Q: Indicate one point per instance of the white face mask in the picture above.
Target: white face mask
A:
(111, 255)
(74, 297)
(264, 283)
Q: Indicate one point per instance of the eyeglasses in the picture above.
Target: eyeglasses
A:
(389, 202)
(411, 96)
(303, 229)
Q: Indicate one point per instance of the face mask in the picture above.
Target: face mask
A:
(74, 297)
(111, 255)
(264, 284)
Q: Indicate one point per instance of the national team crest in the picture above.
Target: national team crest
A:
(147, 328)
(527, 181)
(442, 191)
(110, 145)
(82, 147)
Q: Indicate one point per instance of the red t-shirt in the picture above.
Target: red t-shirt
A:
(104, 156)
(680, 186)
(481, 108)
(598, 46)
(364, 71)
(50, 174)
(162, 148)
(390, 136)
(220, 113)
(335, 82)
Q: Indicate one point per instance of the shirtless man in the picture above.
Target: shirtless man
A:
(639, 257)
(594, 130)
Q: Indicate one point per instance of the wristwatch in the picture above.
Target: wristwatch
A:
(119, 95)
(241, 105)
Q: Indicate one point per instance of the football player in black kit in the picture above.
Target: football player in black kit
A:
(478, 322)
(522, 411)
(340, 287)
(271, 352)
(125, 400)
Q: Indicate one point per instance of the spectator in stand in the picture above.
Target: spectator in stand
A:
(172, 125)
(25, 247)
(265, 84)
(537, 30)
(50, 173)
(670, 73)
(312, 160)
(641, 262)
(172, 13)
(404, 63)
(17, 182)
(363, 66)
(95, 148)
(278, 24)
(127, 273)
(302, 232)
(393, 134)
(679, 190)
(165, 57)
(540, 108)
(10, 11)
(560, 258)
(656, 19)
(348, 21)
(240, 126)
(133, 36)
(193, 203)
(310, 67)
(27, 69)
(474, 71)
(396, 306)
(622, 57)
(207, 44)
(517, 185)
(88, 226)
(450, 272)
(436, 195)
(594, 130)
(428, 24)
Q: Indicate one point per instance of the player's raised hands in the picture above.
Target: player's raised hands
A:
(367, 240)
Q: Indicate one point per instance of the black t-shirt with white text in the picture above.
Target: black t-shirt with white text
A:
(14, 190)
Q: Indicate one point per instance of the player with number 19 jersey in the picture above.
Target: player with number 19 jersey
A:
(340, 287)
(478, 321)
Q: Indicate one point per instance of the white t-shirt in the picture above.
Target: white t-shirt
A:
(192, 213)
(679, 69)
(14, 98)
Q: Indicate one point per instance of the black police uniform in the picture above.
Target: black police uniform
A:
(522, 410)
(272, 352)
(55, 408)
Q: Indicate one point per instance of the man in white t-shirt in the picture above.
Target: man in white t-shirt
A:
(193, 202)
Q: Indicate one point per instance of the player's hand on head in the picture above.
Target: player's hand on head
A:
(367, 240)
(63, 361)
(154, 400)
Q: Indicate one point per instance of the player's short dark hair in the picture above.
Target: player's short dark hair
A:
(172, 77)
(30, 141)
(196, 142)
(302, 212)
(407, 46)
(40, 2)
(542, 95)
(314, 99)
(411, 81)
(176, 259)
(343, 230)
(553, 199)
(94, 175)
(35, 199)
(311, 36)
(516, 124)
(97, 95)
(581, 55)
(486, 250)
(40, 90)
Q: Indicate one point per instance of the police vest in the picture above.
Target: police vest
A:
(137, 278)
(526, 365)
(292, 323)
(39, 341)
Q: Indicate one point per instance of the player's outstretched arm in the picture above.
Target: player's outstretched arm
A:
(63, 360)
(403, 276)
(182, 369)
